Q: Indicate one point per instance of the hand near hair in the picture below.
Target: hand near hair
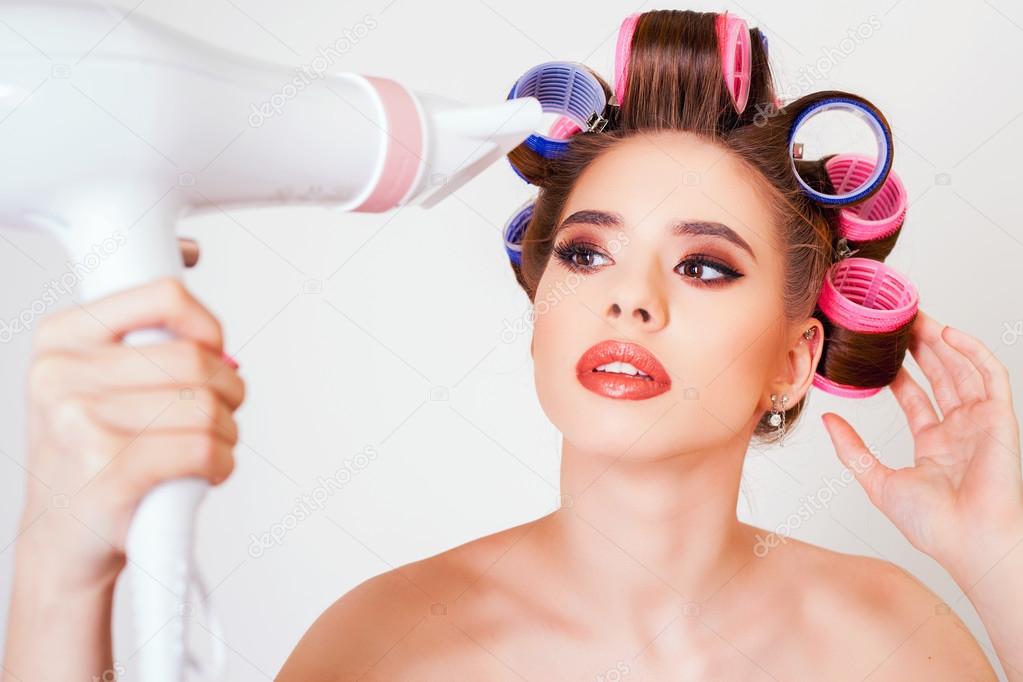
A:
(962, 500)
(965, 486)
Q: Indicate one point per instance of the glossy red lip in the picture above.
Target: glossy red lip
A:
(622, 386)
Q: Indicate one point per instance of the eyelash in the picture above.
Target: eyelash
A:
(568, 251)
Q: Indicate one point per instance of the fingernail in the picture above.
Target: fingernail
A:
(229, 360)
(189, 251)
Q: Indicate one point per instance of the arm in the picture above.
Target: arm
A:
(962, 500)
(56, 634)
(992, 579)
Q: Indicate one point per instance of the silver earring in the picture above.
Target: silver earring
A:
(777, 418)
(810, 333)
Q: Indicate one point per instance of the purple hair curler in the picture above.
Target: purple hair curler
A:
(515, 229)
(566, 88)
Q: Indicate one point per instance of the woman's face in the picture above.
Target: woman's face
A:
(716, 325)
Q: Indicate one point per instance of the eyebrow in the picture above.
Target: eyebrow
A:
(708, 228)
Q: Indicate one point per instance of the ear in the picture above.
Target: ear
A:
(532, 347)
(799, 363)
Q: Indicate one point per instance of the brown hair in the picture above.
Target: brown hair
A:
(675, 82)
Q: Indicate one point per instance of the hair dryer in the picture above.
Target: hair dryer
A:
(114, 134)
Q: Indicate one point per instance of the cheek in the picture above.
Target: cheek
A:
(560, 327)
(731, 374)
(563, 327)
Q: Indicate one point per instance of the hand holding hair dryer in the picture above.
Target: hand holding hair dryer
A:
(113, 123)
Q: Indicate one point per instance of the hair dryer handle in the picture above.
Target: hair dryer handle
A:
(159, 551)
(159, 541)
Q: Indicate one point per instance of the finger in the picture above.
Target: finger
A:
(164, 302)
(914, 402)
(941, 382)
(165, 409)
(166, 455)
(189, 251)
(179, 363)
(996, 376)
(967, 382)
(854, 455)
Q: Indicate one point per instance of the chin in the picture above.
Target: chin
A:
(642, 430)
(608, 427)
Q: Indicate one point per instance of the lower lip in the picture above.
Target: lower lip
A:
(621, 386)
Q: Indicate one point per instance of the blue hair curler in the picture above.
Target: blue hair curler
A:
(515, 229)
(847, 192)
(566, 88)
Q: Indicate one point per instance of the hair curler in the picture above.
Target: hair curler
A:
(866, 296)
(881, 214)
(623, 53)
(734, 51)
(568, 89)
(736, 57)
(117, 133)
(515, 230)
(855, 177)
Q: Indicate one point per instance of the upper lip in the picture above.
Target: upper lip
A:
(612, 350)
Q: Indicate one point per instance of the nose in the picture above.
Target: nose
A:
(639, 306)
(641, 313)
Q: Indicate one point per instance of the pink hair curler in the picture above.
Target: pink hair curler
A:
(842, 390)
(880, 215)
(867, 296)
(623, 52)
(736, 57)
(563, 129)
(733, 47)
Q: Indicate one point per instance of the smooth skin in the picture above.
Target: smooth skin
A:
(644, 572)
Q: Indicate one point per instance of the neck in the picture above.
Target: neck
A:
(637, 531)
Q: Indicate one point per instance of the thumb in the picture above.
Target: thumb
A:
(854, 455)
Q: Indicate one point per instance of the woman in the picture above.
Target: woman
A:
(676, 246)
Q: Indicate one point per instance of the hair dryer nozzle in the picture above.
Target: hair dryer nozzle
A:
(467, 139)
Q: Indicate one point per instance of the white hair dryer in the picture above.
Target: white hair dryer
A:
(119, 132)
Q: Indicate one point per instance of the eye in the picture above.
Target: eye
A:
(579, 256)
(695, 266)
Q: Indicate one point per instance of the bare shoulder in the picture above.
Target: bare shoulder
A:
(374, 626)
(890, 624)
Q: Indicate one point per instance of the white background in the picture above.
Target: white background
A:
(416, 301)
